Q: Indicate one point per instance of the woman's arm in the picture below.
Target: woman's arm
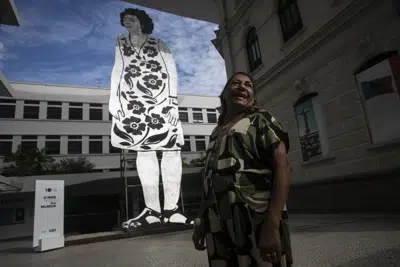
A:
(281, 185)
(115, 106)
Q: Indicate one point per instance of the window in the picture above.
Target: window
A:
(183, 115)
(54, 110)
(237, 3)
(75, 111)
(95, 112)
(52, 144)
(253, 50)
(10, 216)
(31, 109)
(186, 146)
(110, 116)
(200, 143)
(6, 145)
(7, 108)
(28, 143)
(378, 79)
(74, 144)
(311, 127)
(95, 144)
(212, 116)
(114, 149)
(289, 16)
(197, 115)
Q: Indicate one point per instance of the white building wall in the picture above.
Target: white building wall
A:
(42, 126)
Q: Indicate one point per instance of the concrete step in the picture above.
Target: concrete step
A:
(120, 234)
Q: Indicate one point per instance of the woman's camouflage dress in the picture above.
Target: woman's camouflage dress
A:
(237, 184)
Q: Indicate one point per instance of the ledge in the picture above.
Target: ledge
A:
(292, 40)
(257, 70)
(386, 145)
(318, 160)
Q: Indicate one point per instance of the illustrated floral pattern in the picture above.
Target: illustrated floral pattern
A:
(136, 107)
(133, 71)
(134, 126)
(153, 65)
(145, 75)
(154, 121)
(127, 50)
(150, 51)
(152, 81)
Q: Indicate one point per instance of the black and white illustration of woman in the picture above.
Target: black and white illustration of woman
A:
(143, 102)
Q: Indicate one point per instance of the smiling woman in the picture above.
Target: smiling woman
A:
(243, 218)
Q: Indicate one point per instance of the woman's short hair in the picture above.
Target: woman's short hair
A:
(145, 21)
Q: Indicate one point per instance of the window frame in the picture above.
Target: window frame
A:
(33, 105)
(95, 139)
(186, 138)
(288, 7)
(75, 106)
(52, 139)
(214, 113)
(200, 138)
(97, 109)
(74, 139)
(319, 133)
(254, 57)
(183, 112)
(6, 139)
(8, 102)
(29, 139)
(55, 105)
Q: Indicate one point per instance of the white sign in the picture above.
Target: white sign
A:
(48, 230)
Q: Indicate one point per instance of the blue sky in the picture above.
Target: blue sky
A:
(72, 42)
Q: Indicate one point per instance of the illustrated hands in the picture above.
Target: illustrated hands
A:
(172, 116)
(171, 112)
(270, 242)
(199, 235)
(115, 108)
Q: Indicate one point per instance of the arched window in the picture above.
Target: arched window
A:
(253, 49)
(289, 17)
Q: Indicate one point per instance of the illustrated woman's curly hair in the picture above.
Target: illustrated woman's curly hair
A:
(145, 21)
(252, 109)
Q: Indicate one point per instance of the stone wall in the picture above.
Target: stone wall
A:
(377, 193)
(324, 61)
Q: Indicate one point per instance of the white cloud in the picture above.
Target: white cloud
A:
(94, 28)
(2, 55)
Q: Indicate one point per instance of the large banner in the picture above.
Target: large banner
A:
(144, 105)
(49, 215)
(379, 88)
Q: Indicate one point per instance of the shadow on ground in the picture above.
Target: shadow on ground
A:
(363, 225)
(386, 258)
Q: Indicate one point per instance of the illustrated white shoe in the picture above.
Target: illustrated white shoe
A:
(175, 217)
(148, 217)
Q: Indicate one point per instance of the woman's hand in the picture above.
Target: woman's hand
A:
(199, 235)
(270, 242)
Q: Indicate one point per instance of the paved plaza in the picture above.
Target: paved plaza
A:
(343, 241)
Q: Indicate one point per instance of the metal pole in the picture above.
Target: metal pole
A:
(183, 205)
(126, 187)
